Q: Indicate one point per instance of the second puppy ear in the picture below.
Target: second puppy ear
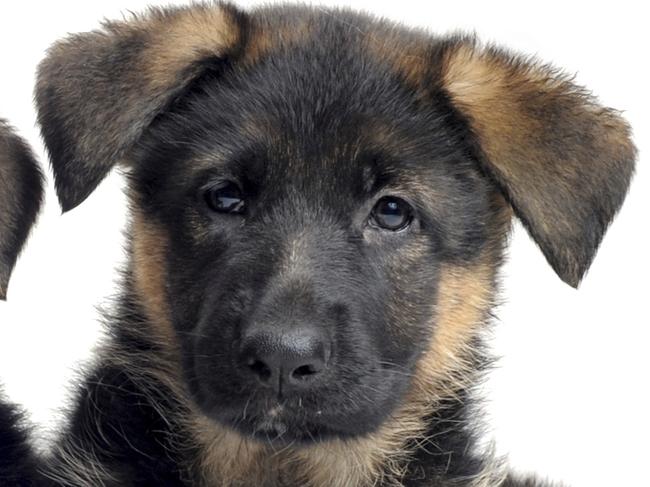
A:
(21, 195)
(97, 92)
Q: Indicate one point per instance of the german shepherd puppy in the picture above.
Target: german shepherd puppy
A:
(319, 206)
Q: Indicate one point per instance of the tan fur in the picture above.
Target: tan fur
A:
(264, 38)
(179, 41)
(407, 55)
(548, 143)
(149, 274)
(482, 85)
(161, 53)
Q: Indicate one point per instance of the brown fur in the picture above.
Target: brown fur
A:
(272, 33)
(408, 54)
(183, 40)
(166, 49)
(149, 249)
(543, 137)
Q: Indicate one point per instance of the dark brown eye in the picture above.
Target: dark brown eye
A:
(391, 213)
(225, 198)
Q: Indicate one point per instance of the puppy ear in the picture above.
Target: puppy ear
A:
(21, 195)
(97, 92)
(562, 161)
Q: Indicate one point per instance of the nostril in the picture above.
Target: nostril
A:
(260, 369)
(304, 372)
(284, 359)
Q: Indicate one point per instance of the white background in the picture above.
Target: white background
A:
(570, 396)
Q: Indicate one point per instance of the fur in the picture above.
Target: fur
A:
(21, 192)
(316, 114)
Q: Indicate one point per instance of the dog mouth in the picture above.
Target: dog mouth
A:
(339, 411)
(281, 424)
(272, 426)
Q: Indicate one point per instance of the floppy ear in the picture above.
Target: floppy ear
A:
(97, 92)
(562, 161)
(21, 194)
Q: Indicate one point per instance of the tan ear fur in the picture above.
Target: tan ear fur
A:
(98, 92)
(563, 161)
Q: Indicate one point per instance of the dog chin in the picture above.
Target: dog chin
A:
(280, 427)
(280, 433)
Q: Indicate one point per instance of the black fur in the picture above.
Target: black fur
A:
(18, 464)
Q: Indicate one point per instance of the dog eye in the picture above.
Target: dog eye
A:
(391, 213)
(225, 198)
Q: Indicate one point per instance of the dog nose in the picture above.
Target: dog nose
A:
(283, 359)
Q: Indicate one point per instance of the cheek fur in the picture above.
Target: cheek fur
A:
(412, 273)
(150, 245)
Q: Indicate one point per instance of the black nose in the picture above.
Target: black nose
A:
(284, 359)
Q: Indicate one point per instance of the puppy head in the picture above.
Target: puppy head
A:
(319, 205)
(21, 190)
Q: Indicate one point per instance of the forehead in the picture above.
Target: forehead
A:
(317, 98)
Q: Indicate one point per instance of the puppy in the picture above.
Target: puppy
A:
(319, 205)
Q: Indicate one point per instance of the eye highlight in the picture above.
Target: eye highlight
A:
(391, 213)
(226, 197)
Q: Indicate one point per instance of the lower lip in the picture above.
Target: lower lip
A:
(272, 428)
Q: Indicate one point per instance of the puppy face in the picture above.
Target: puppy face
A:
(320, 199)
(303, 241)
